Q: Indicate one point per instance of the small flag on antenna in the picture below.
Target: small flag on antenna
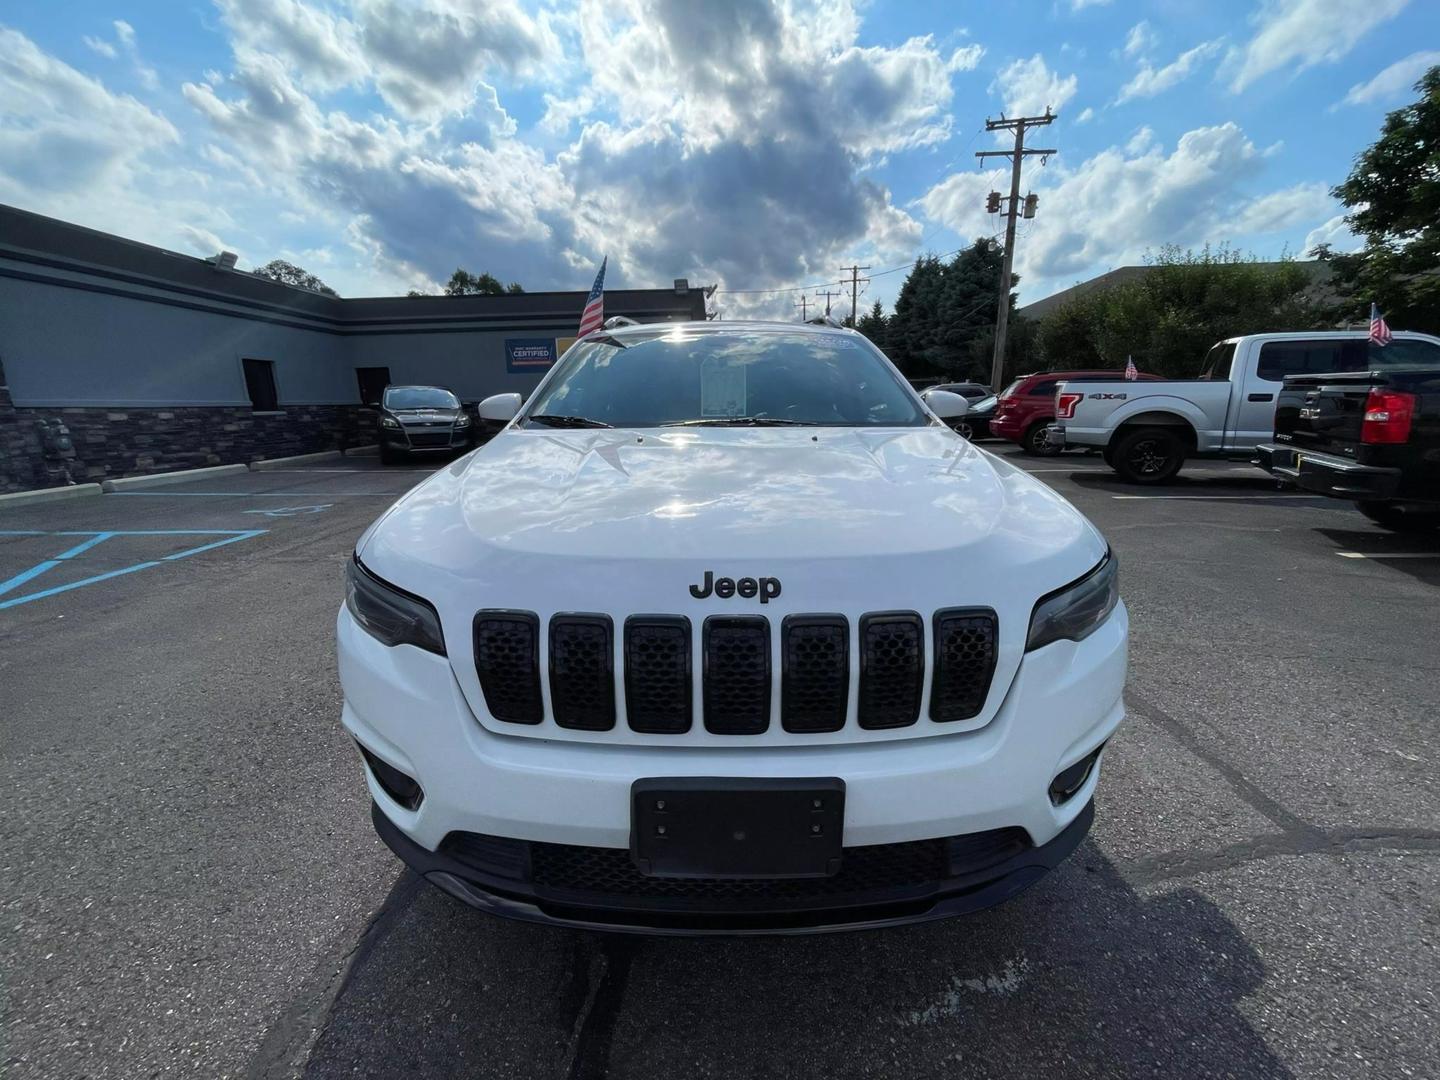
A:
(593, 317)
(1131, 372)
(1379, 329)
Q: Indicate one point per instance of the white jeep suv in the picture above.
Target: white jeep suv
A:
(727, 632)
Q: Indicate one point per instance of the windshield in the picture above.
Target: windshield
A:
(833, 380)
(420, 397)
(984, 403)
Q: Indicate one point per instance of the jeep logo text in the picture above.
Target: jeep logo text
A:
(747, 588)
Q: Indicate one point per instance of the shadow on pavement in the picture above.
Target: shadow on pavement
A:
(1232, 482)
(1082, 976)
(1378, 542)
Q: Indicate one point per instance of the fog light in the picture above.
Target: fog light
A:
(403, 789)
(1071, 780)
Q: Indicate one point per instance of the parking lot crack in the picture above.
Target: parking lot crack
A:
(1178, 865)
(594, 1029)
(1249, 792)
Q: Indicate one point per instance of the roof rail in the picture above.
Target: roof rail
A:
(620, 320)
(826, 320)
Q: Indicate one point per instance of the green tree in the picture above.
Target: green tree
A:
(289, 274)
(872, 325)
(1169, 317)
(464, 283)
(945, 314)
(1393, 193)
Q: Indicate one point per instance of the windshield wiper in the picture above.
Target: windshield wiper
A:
(551, 420)
(738, 421)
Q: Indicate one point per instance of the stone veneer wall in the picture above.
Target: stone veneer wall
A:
(130, 442)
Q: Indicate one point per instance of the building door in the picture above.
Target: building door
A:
(373, 381)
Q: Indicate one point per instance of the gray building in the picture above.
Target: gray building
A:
(152, 360)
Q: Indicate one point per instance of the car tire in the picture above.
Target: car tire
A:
(1034, 441)
(964, 430)
(388, 456)
(1149, 455)
(1397, 518)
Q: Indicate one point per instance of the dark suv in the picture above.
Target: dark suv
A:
(422, 419)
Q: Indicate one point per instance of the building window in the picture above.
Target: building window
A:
(260, 384)
(373, 381)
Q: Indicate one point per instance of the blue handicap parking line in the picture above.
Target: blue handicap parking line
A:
(228, 536)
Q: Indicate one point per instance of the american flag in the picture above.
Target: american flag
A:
(593, 317)
(1131, 371)
(1379, 329)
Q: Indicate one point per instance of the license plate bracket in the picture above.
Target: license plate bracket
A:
(732, 827)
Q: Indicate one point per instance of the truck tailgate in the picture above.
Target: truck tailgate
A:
(1323, 413)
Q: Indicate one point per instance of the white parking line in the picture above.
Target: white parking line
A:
(1389, 555)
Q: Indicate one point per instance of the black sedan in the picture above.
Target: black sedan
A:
(422, 419)
(975, 424)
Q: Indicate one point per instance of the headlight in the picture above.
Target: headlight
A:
(389, 615)
(462, 420)
(1076, 611)
(390, 422)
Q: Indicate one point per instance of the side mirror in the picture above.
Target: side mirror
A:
(500, 408)
(945, 405)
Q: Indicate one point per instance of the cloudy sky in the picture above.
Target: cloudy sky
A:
(382, 143)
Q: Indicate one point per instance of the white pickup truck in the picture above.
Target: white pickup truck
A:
(1147, 430)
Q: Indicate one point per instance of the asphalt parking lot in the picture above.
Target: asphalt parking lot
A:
(192, 887)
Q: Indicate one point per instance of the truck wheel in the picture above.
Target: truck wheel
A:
(1148, 455)
(1034, 441)
(1397, 518)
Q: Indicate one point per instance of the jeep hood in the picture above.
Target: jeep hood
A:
(893, 501)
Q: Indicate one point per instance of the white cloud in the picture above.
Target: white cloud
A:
(125, 42)
(1140, 39)
(1334, 232)
(1086, 115)
(1394, 81)
(1028, 87)
(1124, 201)
(725, 144)
(966, 58)
(99, 45)
(1282, 211)
(1080, 5)
(1149, 81)
(1298, 34)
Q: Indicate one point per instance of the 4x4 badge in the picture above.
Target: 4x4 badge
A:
(747, 588)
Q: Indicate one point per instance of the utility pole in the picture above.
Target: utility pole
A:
(855, 280)
(827, 294)
(804, 309)
(1018, 125)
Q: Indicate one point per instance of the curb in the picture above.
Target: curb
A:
(362, 451)
(124, 483)
(262, 464)
(55, 494)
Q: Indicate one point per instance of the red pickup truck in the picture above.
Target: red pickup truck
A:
(1027, 406)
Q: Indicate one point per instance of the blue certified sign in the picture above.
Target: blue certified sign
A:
(529, 354)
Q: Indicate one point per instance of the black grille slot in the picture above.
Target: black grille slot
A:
(658, 698)
(582, 672)
(591, 872)
(737, 674)
(507, 659)
(964, 662)
(815, 672)
(892, 669)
